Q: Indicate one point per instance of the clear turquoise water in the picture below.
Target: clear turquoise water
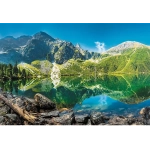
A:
(121, 95)
(106, 104)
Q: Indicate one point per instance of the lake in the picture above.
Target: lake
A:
(121, 94)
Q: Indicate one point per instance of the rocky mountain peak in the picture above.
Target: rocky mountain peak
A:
(78, 45)
(43, 36)
(123, 46)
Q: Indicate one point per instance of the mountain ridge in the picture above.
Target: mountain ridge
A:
(41, 46)
(127, 57)
(120, 48)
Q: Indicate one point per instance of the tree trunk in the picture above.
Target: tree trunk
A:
(23, 113)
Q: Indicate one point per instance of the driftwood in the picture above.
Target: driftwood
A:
(21, 112)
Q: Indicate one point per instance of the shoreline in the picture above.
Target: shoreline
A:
(19, 110)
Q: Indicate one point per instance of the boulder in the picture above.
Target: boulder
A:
(131, 120)
(89, 122)
(116, 120)
(82, 118)
(25, 103)
(145, 112)
(11, 116)
(1, 119)
(9, 95)
(96, 118)
(12, 119)
(43, 102)
(1, 103)
(65, 112)
(66, 119)
(50, 114)
(4, 110)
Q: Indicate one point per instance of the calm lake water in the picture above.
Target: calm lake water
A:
(123, 95)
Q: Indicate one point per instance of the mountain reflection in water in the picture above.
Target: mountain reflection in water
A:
(122, 94)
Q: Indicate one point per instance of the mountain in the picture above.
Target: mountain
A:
(42, 50)
(10, 48)
(10, 56)
(36, 48)
(22, 40)
(9, 42)
(40, 46)
(119, 49)
(128, 57)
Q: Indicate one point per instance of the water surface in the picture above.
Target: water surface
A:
(122, 94)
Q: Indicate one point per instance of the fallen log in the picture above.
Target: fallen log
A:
(21, 112)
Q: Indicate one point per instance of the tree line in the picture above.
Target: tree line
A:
(9, 71)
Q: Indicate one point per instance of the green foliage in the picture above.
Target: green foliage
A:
(28, 70)
(72, 67)
(44, 66)
(9, 71)
(131, 61)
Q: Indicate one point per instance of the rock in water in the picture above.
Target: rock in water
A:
(43, 102)
(96, 118)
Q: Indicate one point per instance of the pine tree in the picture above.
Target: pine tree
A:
(9, 70)
(15, 70)
(23, 73)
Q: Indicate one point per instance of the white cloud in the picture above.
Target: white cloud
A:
(100, 46)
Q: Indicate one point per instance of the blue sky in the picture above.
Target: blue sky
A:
(88, 35)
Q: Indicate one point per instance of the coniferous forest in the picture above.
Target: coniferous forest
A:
(12, 72)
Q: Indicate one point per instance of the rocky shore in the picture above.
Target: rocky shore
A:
(40, 110)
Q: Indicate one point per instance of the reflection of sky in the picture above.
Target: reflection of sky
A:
(106, 104)
(100, 102)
